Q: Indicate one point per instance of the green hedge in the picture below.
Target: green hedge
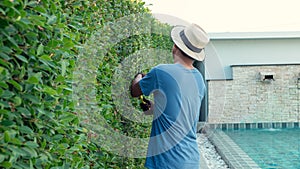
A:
(39, 44)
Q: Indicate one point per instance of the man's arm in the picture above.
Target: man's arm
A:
(135, 90)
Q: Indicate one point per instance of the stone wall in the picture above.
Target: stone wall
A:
(248, 99)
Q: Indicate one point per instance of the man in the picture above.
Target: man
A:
(178, 91)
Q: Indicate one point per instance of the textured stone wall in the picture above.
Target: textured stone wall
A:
(247, 99)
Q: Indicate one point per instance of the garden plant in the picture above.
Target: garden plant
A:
(40, 41)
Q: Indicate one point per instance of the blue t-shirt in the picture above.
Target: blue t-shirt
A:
(178, 93)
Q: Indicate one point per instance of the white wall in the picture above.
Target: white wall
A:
(249, 49)
(248, 99)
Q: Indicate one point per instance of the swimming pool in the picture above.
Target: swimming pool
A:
(270, 148)
(267, 146)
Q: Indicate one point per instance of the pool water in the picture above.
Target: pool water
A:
(270, 148)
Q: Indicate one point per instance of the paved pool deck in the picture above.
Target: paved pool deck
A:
(203, 164)
(231, 153)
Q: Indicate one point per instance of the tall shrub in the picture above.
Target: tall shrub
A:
(39, 44)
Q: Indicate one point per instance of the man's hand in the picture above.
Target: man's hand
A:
(145, 104)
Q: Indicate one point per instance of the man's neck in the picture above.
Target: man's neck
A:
(187, 63)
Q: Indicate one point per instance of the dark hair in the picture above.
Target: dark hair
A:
(183, 53)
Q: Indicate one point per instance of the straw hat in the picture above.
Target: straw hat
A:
(191, 40)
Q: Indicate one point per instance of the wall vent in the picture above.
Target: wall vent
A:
(298, 81)
(267, 76)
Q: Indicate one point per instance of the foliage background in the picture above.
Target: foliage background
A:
(39, 44)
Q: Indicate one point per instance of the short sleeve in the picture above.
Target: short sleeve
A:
(149, 82)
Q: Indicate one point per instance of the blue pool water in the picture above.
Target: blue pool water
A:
(270, 148)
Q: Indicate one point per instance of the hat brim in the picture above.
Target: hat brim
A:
(178, 41)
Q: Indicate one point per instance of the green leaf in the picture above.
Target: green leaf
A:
(31, 144)
(31, 164)
(67, 117)
(63, 146)
(3, 111)
(43, 157)
(17, 150)
(40, 50)
(60, 78)
(40, 9)
(46, 58)
(49, 90)
(32, 3)
(1, 69)
(31, 152)
(5, 63)
(24, 23)
(53, 43)
(22, 73)
(16, 85)
(32, 80)
(5, 49)
(4, 56)
(32, 98)
(2, 11)
(23, 13)
(16, 141)
(7, 123)
(2, 157)
(72, 149)
(6, 136)
(24, 111)
(12, 40)
(3, 85)
(17, 100)
(6, 164)
(22, 58)
(65, 88)
(8, 4)
(57, 137)
(25, 130)
(68, 43)
(4, 104)
(63, 67)
(51, 20)
(7, 94)
(37, 20)
(31, 35)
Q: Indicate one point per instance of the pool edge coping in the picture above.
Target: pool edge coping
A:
(215, 135)
(231, 153)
